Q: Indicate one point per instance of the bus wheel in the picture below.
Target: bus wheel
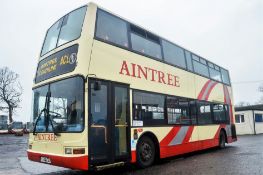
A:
(222, 140)
(145, 152)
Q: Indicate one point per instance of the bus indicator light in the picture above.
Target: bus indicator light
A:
(79, 151)
(68, 150)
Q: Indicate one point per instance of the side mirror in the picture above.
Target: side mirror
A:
(97, 86)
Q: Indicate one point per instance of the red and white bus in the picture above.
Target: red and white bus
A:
(108, 92)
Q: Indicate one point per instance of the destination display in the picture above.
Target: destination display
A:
(59, 63)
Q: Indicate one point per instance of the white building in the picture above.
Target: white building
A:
(249, 119)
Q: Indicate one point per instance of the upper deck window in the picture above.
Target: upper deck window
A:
(225, 76)
(189, 60)
(112, 29)
(145, 42)
(66, 29)
(71, 26)
(200, 66)
(214, 72)
(173, 54)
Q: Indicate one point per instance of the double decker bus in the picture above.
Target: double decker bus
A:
(109, 92)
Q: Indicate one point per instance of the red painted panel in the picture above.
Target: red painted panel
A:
(80, 163)
(167, 139)
(167, 151)
(188, 134)
(133, 156)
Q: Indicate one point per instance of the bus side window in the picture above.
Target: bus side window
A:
(111, 29)
(204, 113)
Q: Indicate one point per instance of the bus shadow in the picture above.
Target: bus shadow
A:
(157, 168)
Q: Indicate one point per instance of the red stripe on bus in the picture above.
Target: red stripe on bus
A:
(167, 151)
(133, 156)
(203, 90)
(218, 131)
(229, 102)
(80, 162)
(169, 137)
(210, 90)
(188, 134)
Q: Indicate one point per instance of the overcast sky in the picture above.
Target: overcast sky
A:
(229, 33)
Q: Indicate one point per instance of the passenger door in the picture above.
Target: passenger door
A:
(109, 134)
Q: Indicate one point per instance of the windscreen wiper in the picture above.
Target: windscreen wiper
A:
(47, 118)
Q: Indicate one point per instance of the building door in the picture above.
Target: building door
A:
(109, 118)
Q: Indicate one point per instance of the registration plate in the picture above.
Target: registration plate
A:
(45, 160)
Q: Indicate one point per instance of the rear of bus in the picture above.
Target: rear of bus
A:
(59, 132)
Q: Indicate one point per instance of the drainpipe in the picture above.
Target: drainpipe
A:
(254, 122)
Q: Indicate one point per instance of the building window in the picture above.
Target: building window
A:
(112, 29)
(148, 107)
(239, 118)
(173, 54)
(258, 118)
(178, 111)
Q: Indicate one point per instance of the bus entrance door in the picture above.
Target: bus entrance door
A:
(109, 133)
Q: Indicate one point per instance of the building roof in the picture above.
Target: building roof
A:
(248, 108)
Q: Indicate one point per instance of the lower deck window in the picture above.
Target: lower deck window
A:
(178, 111)
(204, 113)
(157, 109)
(148, 107)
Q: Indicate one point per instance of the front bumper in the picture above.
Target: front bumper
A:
(79, 162)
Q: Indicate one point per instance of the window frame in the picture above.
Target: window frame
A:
(207, 103)
(227, 117)
(193, 116)
(110, 42)
(152, 122)
(240, 118)
(42, 54)
(261, 121)
(185, 62)
(83, 99)
(189, 111)
(145, 54)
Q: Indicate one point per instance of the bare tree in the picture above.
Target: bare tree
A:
(260, 88)
(242, 104)
(10, 91)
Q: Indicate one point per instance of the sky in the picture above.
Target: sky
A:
(228, 33)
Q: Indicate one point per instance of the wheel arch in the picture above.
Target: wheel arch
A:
(153, 137)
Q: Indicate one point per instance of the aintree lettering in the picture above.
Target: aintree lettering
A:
(147, 73)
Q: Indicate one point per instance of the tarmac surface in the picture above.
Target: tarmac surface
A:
(242, 157)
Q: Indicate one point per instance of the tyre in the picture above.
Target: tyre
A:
(145, 152)
(222, 140)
